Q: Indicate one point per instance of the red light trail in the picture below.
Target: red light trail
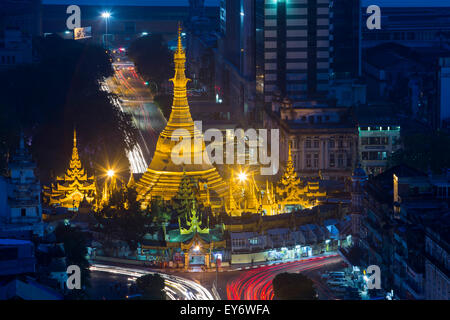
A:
(256, 284)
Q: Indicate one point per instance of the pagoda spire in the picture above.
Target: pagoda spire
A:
(180, 114)
(164, 175)
(290, 178)
(75, 161)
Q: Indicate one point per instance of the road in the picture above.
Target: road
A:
(135, 98)
(177, 288)
(256, 283)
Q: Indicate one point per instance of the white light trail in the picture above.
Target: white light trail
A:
(135, 156)
(177, 288)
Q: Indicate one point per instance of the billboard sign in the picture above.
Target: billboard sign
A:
(82, 33)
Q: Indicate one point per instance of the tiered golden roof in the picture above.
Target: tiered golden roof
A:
(163, 176)
(291, 191)
(74, 186)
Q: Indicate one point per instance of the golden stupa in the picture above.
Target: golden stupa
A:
(74, 186)
(163, 176)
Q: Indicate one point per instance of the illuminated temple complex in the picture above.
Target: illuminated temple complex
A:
(163, 176)
(75, 185)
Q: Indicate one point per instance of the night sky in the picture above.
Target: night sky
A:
(395, 3)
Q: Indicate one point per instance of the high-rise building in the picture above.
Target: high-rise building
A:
(345, 38)
(296, 48)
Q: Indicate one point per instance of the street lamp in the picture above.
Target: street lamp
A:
(242, 176)
(106, 15)
(110, 173)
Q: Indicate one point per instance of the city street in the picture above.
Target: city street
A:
(119, 278)
(135, 98)
(256, 283)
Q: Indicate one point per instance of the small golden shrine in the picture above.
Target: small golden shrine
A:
(74, 186)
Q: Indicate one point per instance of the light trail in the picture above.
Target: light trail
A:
(177, 288)
(256, 284)
(135, 155)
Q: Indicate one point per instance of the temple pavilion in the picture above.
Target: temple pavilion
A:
(163, 176)
(195, 241)
(75, 185)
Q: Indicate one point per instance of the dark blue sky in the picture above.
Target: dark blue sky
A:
(130, 2)
(442, 3)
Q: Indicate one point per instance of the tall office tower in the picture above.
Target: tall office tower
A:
(296, 49)
(345, 38)
(235, 60)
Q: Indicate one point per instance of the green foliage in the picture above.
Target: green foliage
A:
(151, 286)
(184, 200)
(424, 151)
(293, 286)
(49, 98)
(123, 219)
(153, 59)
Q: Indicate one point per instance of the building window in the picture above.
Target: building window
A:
(340, 160)
(316, 160)
(308, 144)
(365, 156)
(364, 141)
(349, 161)
(332, 164)
(316, 144)
(340, 143)
(331, 144)
(23, 212)
(308, 160)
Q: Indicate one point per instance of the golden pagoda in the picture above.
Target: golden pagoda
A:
(74, 186)
(291, 191)
(163, 176)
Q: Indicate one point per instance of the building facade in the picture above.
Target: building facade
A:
(296, 48)
(437, 282)
(323, 138)
(21, 211)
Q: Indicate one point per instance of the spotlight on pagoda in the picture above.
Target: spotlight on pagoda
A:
(242, 176)
(110, 173)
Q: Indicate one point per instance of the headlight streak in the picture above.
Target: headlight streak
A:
(177, 288)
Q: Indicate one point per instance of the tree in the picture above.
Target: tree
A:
(122, 218)
(153, 59)
(75, 246)
(185, 197)
(293, 286)
(151, 287)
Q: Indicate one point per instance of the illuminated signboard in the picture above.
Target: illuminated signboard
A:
(82, 33)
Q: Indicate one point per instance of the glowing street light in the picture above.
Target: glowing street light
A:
(197, 248)
(242, 176)
(106, 15)
(110, 173)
